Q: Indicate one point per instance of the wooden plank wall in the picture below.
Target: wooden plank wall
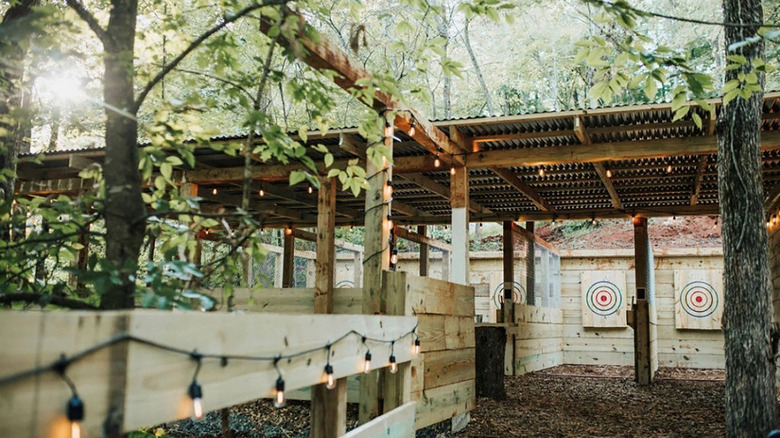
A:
(443, 374)
(676, 348)
(538, 339)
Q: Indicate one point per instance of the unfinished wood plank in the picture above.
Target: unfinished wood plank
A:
(288, 259)
(531, 193)
(433, 296)
(411, 236)
(449, 366)
(422, 230)
(445, 402)
(604, 298)
(293, 300)
(398, 423)
(613, 194)
(698, 299)
(697, 180)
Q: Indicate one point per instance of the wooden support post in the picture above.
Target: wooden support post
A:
(423, 230)
(396, 388)
(278, 270)
(81, 262)
(645, 354)
(445, 265)
(288, 261)
(376, 260)
(357, 276)
(508, 305)
(459, 187)
(530, 265)
(328, 406)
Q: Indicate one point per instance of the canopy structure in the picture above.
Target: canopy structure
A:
(584, 164)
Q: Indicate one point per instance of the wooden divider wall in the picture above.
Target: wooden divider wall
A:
(538, 340)
(676, 348)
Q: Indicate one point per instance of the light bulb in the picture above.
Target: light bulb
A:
(452, 171)
(75, 415)
(261, 192)
(669, 169)
(367, 363)
(437, 162)
(389, 189)
(593, 221)
(389, 222)
(388, 130)
(288, 231)
(541, 171)
(416, 347)
(393, 365)
(411, 129)
(331, 382)
(609, 173)
(196, 394)
(394, 256)
(311, 189)
(279, 401)
(214, 191)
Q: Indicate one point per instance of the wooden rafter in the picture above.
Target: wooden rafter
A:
(512, 179)
(441, 190)
(411, 236)
(323, 55)
(697, 180)
(584, 138)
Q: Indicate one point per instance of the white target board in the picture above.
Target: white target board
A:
(604, 298)
(698, 299)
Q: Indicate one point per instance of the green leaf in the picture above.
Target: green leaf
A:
(680, 113)
(297, 176)
(651, 89)
(696, 119)
(328, 160)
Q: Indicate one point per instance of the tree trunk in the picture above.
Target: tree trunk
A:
(477, 69)
(444, 32)
(13, 97)
(124, 209)
(751, 407)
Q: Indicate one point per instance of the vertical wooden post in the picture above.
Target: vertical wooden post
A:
(645, 306)
(445, 265)
(396, 388)
(278, 269)
(288, 260)
(508, 306)
(459, 201)
(530, 266)
(376, 260)
(423, 231)
(357, 276)
(328, 406)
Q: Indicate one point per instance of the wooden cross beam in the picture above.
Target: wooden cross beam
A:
(584, 138)
(441, 190)
(512, 179)
(411, 236)
(697, 180)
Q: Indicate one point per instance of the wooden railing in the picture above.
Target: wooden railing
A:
(133, 369)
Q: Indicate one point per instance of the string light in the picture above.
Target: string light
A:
(195, 391)
(75, 415)
(311, 189)
(261, 192)
(416, 345)
(411, 129)
(366, 359)
(609, 173)
(214, 191)
(541, 171)
(389, 221)
(393, 364)
(287, 231)
(716, 223)
(389, 189)
(388, 130)
(437, 162)
(669, 169)
(330, 381)
(394, 257)
(593, 221)
(452, 171)
(279, 400)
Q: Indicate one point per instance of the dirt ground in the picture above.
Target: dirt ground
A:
(567, 401)
(681, 232)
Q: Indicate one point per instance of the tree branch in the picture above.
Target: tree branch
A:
(195, 44)
(89, 19)
(36, 298)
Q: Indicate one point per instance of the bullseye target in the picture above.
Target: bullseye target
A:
(604, 298)
(699, 299)
(518, 294)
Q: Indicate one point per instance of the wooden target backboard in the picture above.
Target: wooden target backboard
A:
(604, 298)
(698, 299)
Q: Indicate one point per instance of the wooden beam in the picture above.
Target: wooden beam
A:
(613, 194)
(398, 423)
(408, 210)
(328, 404)
(265, 208)
(411, 236)
(422, 230)
(459, 184)
(377, 260)
(441, 190)
(508, 306)
(530, 263)
(79, 162)
(288, 258)
(323, 55)
(522, 136)
(644, 310)
(584, 138)
(310, 200)
(697, 180)
(512, 179)
(312, 237)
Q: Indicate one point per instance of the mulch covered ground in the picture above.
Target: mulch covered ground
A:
(583, 401)
(565, 401)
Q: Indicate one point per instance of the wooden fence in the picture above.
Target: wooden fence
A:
(141, 374)
(443, 375)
